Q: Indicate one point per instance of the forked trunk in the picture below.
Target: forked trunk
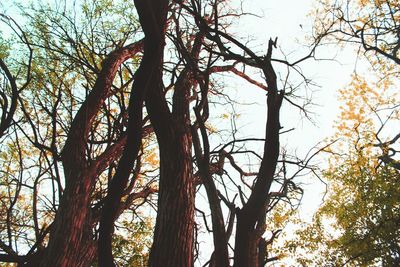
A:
(71, 241)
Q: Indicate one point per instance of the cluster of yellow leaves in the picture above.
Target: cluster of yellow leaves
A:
(280, 216)
(150, 155)
(376, 3)
(359, 115)
(358, 184)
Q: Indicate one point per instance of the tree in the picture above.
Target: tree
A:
(68, 54)
(371, 25)
(358, 222)
(93, 143)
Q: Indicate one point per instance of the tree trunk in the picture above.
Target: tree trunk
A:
(71, 242)
(245, 249)
(173, 236)
(174, 230)
(262, 252)
(147, 76)
(250, 219)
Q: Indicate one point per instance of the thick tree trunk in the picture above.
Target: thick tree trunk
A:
(262, 252)
(244, 254)
(174, 230)
(152, 17)
(173, 236)
(71, 242)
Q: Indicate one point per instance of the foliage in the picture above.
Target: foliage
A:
(373, 26)
(358, 224)
(132, 246)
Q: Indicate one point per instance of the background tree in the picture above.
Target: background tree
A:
(358, 223)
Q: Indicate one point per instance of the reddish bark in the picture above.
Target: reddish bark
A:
(71, 241)
(174, 230)
(173, 236)
(153, 20)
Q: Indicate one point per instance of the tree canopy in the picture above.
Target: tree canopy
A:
(358, 223)
(122, 143)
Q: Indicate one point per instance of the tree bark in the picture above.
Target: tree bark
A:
(173, 236)
(153, 20)
(174, 230)
(251, 214)
(71, 241)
